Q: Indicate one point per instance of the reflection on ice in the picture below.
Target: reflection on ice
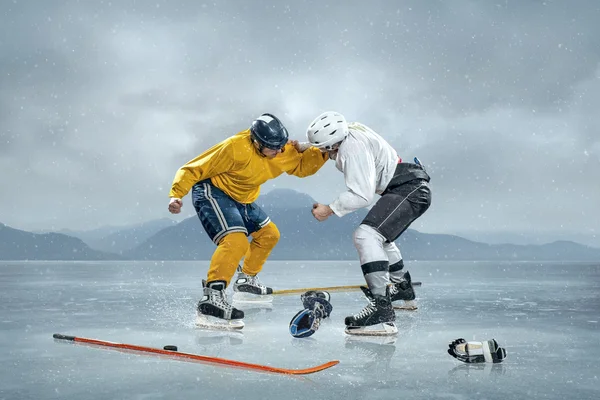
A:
(124, 302)
(211, 340)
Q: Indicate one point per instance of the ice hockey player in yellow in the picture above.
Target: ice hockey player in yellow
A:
(225, 182)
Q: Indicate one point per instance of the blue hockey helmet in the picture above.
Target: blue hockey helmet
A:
(304, 323)
(269, 132)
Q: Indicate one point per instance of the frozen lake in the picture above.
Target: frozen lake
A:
(545, 315)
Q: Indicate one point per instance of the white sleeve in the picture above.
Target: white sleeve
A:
(359, 173)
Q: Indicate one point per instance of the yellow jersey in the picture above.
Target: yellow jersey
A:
(237, 168)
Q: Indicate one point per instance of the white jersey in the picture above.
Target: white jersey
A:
(368, 163)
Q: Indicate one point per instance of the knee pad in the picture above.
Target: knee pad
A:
(236, 243)
(369, 244)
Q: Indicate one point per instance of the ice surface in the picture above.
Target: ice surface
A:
(546, 316)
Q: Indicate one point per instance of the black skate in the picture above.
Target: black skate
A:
(376, 319)
(215, 312)
(403, 291)
(247, 288)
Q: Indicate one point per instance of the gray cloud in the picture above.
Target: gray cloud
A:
(101, 103)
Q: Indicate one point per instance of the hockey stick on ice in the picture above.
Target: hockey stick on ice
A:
(327, 289)
(196, 357)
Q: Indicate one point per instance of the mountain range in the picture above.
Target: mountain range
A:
(302, 237)
(115, 239)
(21, 245)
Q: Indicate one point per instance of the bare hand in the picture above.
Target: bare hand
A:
(175, 205)
(321, 211)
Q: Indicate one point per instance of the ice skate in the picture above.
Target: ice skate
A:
(247, 288)
(376, 319)
(404, 294)
(215, 312)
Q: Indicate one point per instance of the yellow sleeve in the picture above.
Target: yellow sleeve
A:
(309, 162)
(214, 161)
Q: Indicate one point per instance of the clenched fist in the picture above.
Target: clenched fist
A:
(175, 205)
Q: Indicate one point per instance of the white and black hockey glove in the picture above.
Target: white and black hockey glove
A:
(476, 352)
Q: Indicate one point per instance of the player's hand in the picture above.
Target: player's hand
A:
(175, 205)
(300, 147)
(321, 211)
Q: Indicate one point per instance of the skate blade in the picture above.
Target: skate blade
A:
(409, 305)
(379, 340)
(243, 297)
(384, 329)
(213, 323)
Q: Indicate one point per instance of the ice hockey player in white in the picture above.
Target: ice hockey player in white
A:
(371, 166)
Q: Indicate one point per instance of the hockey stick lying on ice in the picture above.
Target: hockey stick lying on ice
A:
(196, 357)
(327, 289)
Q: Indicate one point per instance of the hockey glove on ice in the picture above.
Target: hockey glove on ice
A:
(477, 352)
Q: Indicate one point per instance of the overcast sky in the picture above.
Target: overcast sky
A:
(101, 102)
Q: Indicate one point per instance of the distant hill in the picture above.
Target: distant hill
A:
(285, 198)
(426, 246)
(302, 238)
(114, 239)
(130, 237)
(21, 245)
(87, 236)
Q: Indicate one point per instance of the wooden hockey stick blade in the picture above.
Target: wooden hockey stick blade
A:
(197, 357)
(327, 289)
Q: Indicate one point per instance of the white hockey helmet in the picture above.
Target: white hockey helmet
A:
(327, 129)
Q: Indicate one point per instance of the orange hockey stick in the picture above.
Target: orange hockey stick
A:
(196, 357)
